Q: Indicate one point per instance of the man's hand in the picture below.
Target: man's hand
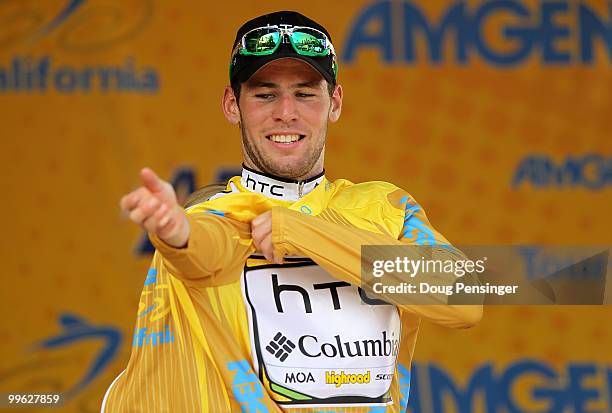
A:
(155, 208)
(261, 232)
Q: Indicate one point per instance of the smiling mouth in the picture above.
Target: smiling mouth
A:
(285, 138)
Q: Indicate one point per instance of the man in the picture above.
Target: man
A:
(251, 302)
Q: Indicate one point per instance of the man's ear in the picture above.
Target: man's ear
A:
(336, 104)
(229, 104)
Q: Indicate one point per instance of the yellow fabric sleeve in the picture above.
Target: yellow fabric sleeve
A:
(337, 248)
(215, 252)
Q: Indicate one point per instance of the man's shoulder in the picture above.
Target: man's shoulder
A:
(346, 185)
(362, 194)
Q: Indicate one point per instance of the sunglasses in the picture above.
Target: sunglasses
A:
(266, 40)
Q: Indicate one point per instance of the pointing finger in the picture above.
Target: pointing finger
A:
(150, 180)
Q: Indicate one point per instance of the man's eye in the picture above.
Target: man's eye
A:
(264, 96)
(304, 95)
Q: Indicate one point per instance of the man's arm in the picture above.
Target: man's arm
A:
(200, 248)
(337, 248)
(214, 252)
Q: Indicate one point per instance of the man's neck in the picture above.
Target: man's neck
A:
(277, 187)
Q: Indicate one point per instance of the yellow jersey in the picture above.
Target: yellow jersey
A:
(220, 329)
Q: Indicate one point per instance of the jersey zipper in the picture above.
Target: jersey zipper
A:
(300, 188)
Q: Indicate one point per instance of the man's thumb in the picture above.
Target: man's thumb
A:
(150, 180)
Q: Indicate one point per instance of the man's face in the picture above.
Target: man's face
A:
(283, 113)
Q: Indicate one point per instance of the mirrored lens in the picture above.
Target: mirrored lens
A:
(262, 41)
(310, 42)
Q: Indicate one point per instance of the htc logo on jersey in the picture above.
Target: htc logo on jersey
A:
(277, 289)
(263, 187)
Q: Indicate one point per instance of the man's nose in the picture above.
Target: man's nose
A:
(286, 109)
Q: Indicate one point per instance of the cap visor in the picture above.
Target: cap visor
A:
(259, 62)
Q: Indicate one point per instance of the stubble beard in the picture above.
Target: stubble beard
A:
(267, 165)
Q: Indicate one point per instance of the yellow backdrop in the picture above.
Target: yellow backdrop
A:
(494, 115)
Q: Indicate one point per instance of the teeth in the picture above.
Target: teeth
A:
(284, 138)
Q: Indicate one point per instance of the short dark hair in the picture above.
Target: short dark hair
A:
(236, 86)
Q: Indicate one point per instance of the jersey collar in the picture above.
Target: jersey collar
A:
(276, 187)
